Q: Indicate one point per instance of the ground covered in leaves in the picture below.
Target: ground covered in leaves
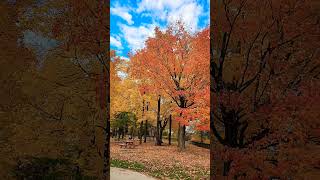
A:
(163, 162)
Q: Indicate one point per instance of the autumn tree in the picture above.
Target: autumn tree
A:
(122, 122)
(81, 28)
(15, 61)
(162, 107)
(175, 63)
(264, 55)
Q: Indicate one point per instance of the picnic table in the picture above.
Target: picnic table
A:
(127, 144)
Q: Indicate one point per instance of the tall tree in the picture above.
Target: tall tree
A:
(82, 28)
(264, 53)
(175, 63)
(15, 61)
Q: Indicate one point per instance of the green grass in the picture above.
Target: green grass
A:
(47, 169)
(127, 165)
(176, 172)
(172, 173)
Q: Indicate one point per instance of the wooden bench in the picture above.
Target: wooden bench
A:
(130, 145)
(122, 145)
(127, 144)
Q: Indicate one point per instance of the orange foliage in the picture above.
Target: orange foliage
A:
(265, 72)
(176, 63)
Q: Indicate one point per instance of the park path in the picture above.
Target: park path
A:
(124, 174)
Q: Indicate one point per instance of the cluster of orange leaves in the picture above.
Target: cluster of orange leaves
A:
(176, 63)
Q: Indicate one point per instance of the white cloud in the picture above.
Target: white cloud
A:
(123, 13)
(116, 41)
(187, 13)
(136, 36)
(122, 74)
(124, 58)
(161, 13)
(159, 5)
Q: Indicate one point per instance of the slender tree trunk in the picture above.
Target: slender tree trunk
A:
(161, 133)
(113, 131)
(141, 130)
(201, 136)
(213, 161)
(126, 131)
(170, 124)
(106, 113)
(119, 134)
(226, 167)
(178, 135)
(181, 135)
(153, 134)
(131, 133)
(158, 141)
(182, 138)
(134, 130)
(122, 134)
(145, 131)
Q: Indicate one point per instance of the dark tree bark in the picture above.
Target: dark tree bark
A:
(162, 127)
(170, 124)
(145, 131)
(201, 136)
(106, 150)
(181, 136)
(122, 134)
(119, 133)
(141, 131)
(132, 132)
(153, 133)
(178, 135)
(182, 144)
(158, 140)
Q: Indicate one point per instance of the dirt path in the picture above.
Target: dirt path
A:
(124, 174)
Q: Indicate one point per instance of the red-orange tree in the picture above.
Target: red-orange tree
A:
(81, 29)
(265, 54)
(176, 63)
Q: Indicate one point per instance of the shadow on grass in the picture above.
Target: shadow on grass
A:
(43, 168)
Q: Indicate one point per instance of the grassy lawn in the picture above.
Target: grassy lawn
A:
(163, 162)
(175, 172)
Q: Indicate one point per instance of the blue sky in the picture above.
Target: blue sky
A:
(133, 21)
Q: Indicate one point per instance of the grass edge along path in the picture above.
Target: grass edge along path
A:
(176, 172)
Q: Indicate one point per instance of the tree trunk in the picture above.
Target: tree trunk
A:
(132, 132)
(181, 137)
(201, 136)
(126, 131)
(226, 167)
(122, 134)
(161, 133)
(213, 161)
(170, 124)
(145, 131)
(106, 114)
(119, 134)
(178, 135)
(181, 143)
(141, 131)
(153, 133)
(158, 140)
(158, 134)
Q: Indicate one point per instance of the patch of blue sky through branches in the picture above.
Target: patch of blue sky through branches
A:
(133, 21)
